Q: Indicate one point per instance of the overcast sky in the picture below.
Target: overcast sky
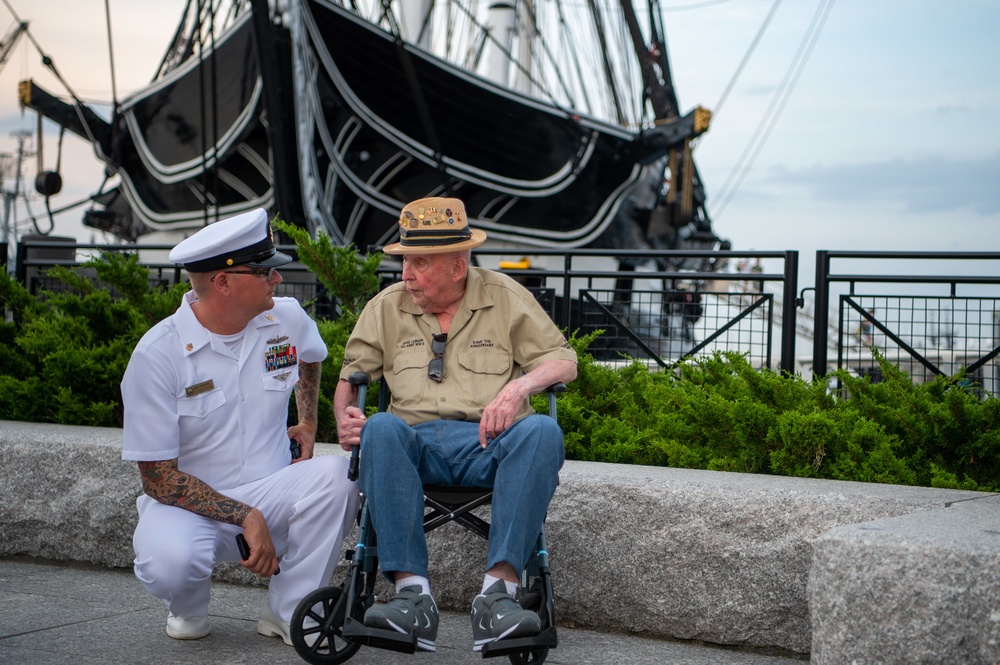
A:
(887, 137)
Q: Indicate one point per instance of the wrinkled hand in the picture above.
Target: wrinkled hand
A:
(349, 427)
(501, 412)
(305, 434)
(263, 558)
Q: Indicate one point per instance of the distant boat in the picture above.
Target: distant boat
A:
(556, 123)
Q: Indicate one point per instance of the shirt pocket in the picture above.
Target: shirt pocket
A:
(282, 380)
(488, 371)
(201, 406)
(486, 362)
(409, 371)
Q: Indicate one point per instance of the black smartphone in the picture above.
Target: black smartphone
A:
(244, 547)
(295, 447)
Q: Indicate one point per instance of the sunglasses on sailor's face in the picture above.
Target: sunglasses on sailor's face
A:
(267, 272)
(435, 370)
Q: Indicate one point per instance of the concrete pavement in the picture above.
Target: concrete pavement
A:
(53, 613)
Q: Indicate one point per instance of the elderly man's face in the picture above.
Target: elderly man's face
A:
(433, 280)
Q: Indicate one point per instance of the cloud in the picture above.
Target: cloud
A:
(931, 184)
(948, 109)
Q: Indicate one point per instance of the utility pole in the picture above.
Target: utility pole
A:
(8, 227)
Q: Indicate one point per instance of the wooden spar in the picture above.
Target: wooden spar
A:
(661, 101)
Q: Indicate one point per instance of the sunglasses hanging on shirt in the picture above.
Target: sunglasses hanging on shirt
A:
(435, 369)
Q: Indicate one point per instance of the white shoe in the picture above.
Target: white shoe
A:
(193, 628)
(269, 625)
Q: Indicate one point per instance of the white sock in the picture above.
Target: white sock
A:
(488, 581)
(423, 582)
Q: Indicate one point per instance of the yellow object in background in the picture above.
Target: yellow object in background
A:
(523, 264)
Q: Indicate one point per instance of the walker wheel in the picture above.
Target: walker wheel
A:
(316, 628)
(529, 657)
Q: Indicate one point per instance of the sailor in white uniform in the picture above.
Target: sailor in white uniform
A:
(206, 398)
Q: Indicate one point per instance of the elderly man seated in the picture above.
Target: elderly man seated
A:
(461, 348)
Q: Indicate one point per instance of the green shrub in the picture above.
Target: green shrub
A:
(21, 398)
(64, 353)
(349, 278)
(720, 413)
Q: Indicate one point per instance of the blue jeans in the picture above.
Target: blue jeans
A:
(521, 465)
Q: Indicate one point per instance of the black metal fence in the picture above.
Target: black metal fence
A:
(663, 306)
(904, 307)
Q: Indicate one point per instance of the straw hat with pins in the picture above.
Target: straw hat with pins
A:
(435, 226)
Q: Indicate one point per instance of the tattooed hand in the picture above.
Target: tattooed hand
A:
(263, 559)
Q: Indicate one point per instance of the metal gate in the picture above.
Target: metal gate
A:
(927, 325)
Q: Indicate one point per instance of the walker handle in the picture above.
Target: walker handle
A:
(361, 380)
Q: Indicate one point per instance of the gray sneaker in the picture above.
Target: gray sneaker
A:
(497, 616)
(409, 612)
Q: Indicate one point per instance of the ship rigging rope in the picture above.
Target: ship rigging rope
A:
(111, 56)
(551, 57)
(745, 60)
(577, 68)
(561, 85)
(777, 105)
(606, 61)
(470, 15)
(47, 61)
(68, 206)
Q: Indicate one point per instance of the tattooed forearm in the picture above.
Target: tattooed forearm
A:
(307, 392)
(167, 484)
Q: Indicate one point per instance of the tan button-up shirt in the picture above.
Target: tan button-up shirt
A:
(499, 333)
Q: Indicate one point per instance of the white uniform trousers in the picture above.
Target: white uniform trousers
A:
(309, 507)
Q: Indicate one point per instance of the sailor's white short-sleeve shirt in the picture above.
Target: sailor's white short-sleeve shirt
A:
(224, 418)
